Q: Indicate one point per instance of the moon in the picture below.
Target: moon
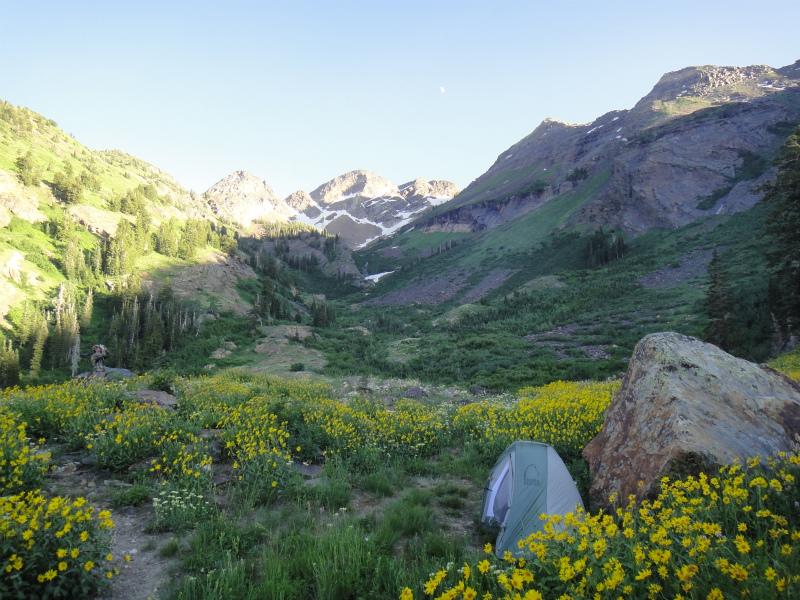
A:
(442, 89)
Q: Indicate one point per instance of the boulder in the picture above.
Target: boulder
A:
(685, 406)
(162, 399)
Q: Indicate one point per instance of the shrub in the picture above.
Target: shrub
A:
(134, 496)
(54, 548)
(180, 510)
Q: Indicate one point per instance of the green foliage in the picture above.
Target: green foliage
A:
(783, 227)
(29, 172)
(171, 548)
(179, 510)
(604, 246)
(133, 496)
(9, 364)
(66, 186)
(38, 564)
(718, 305)
(577, 174)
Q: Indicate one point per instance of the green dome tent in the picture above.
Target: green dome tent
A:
(527, 480)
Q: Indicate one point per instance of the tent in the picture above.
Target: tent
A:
(527, 480)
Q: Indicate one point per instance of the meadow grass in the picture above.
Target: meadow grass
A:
(378, 522)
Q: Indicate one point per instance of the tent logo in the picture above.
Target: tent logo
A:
(532, 476)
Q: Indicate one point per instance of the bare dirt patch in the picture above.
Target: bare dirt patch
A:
(146, 572)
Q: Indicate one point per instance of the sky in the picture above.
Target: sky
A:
(299, 92)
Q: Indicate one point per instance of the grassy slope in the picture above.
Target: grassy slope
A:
(606, 307)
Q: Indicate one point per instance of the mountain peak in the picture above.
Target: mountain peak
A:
(242, 197)
(354, 183)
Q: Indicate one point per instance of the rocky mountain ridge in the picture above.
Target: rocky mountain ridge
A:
(697, 144)
(358, 206)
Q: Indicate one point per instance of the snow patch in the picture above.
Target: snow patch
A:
(375, 278)
(614, 119)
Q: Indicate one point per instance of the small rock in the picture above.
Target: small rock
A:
(116, 483)
(415, 392)
(221, 479)
(482, 391)
(209, 433)
(307, 470)
(87, 461)
(229, 345)
(157, 398)
(62, 472)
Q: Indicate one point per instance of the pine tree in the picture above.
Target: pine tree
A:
(42, 333)
(783, 226)
(718, 306)
(86, 313)
(29, 172)
(9, 364)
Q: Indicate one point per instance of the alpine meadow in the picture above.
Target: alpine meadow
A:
(232, 395)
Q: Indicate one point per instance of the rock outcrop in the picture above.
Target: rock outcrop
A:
(698, 144)
(360, 206)
(685, 405)
(18, 200)
(242, 197)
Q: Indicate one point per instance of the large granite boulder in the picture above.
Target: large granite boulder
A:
(684, 406)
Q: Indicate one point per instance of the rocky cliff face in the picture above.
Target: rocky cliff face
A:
(242, 198)
(359, 206)
(697, 144)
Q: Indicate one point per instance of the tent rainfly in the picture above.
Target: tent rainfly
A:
(527, 480)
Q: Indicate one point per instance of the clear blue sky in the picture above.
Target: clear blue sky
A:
(300, 92)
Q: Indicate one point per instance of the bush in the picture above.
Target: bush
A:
(180, 510)
(138, 494)
(52, 548)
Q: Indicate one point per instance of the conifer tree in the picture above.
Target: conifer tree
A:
(86, 313)
(9, 364)
(42, 333)
(29, 172)
(718, 306)
(783, 226)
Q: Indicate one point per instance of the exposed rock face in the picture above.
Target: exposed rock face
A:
(18, 200)
(242, 197)
(685, 405)
(360, 206)
(96, 220)
(300, 201)
(696, 145)
(355, 183)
